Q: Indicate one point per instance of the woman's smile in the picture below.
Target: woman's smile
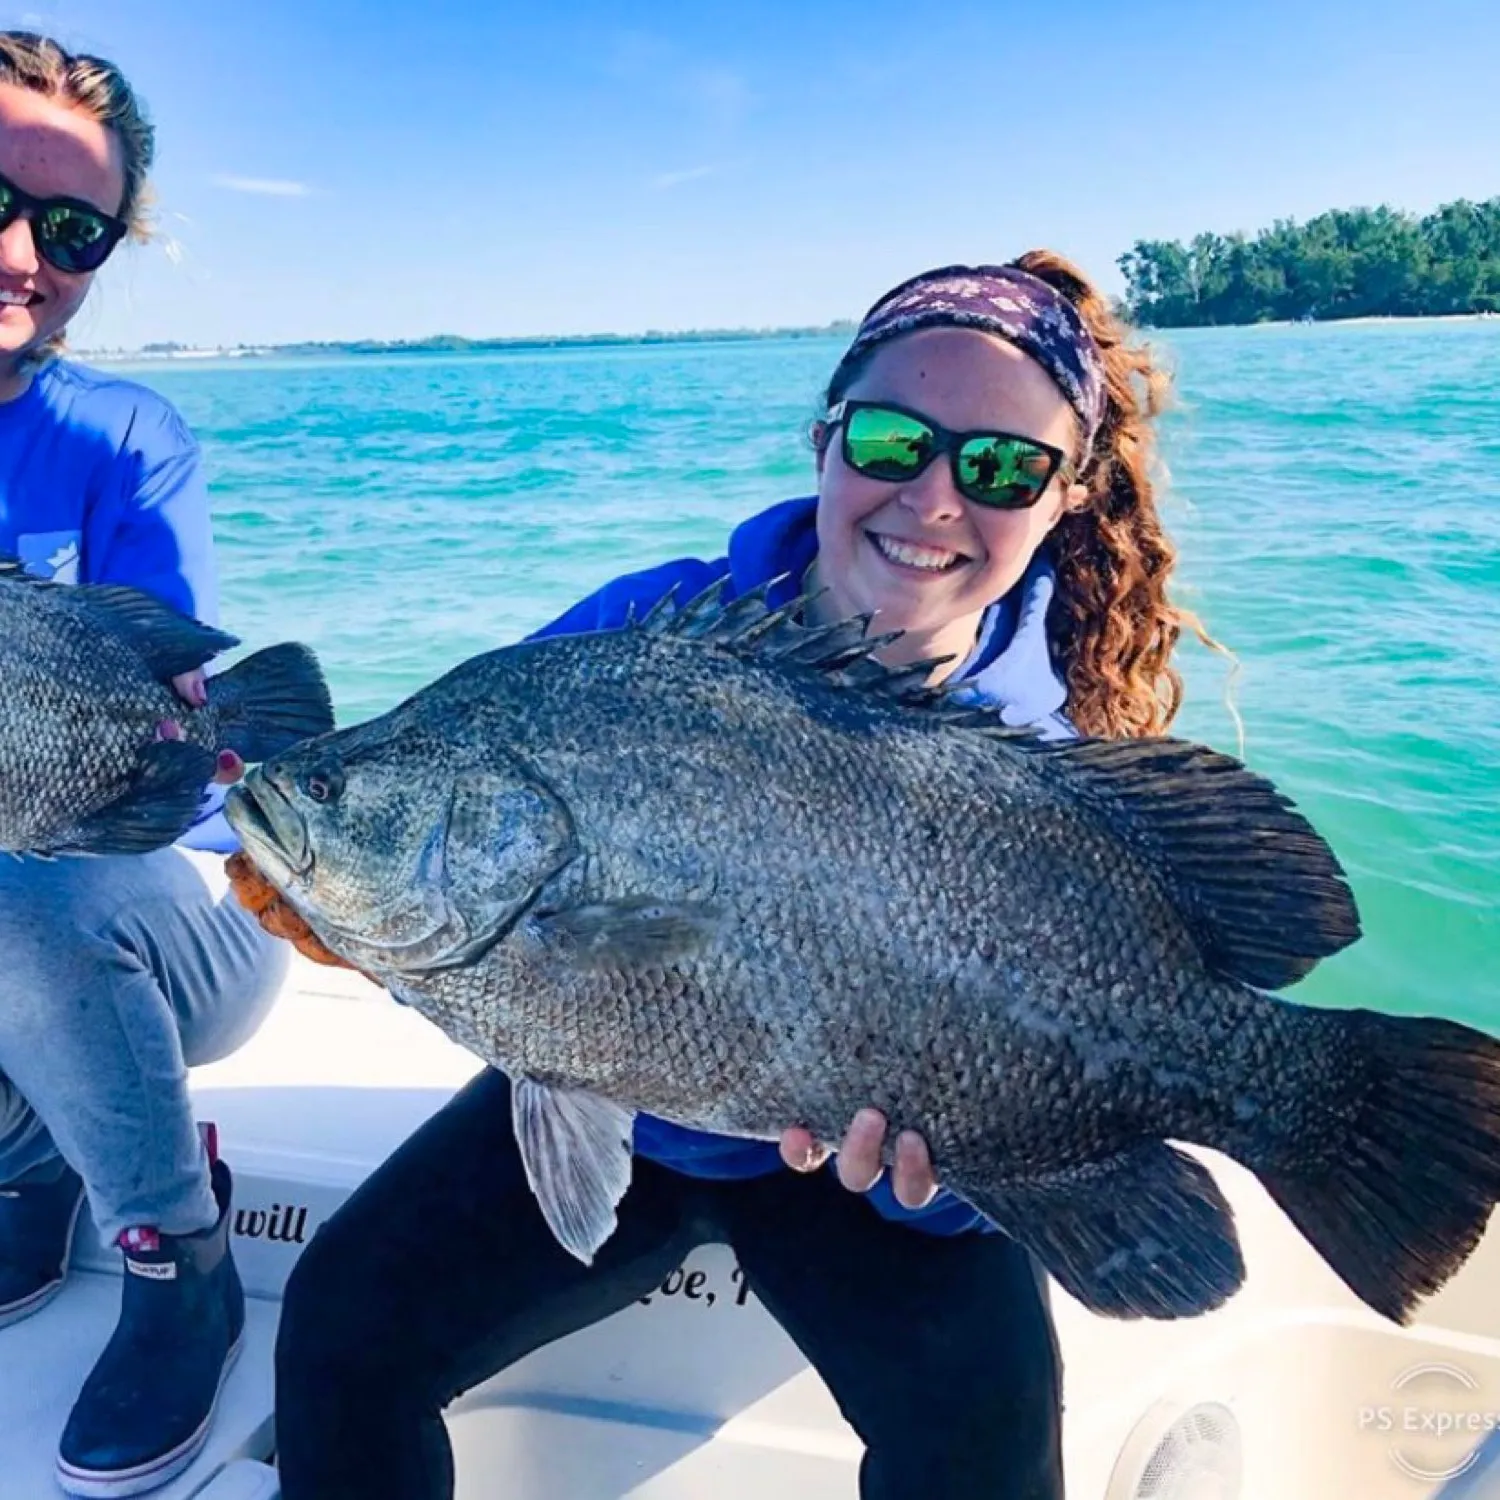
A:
(911, 557)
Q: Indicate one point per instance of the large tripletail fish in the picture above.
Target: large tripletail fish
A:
(98, 754)
(733, 872)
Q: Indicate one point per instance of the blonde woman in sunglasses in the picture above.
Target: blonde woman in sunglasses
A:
(116, 973)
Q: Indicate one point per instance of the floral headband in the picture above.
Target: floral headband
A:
(1018, 307)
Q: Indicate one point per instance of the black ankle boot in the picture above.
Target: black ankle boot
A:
(36, 1238)
(147, 1406)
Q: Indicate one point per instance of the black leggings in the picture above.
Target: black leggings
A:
(440, 1270)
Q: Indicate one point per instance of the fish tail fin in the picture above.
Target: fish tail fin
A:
(1401, 1187)
(271, 700)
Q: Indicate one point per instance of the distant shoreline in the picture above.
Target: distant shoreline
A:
(453, 344)
(1363, 320)
(456, 344)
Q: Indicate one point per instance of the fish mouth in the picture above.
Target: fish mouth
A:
(269, 824)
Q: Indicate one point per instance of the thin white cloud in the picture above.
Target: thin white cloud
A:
(268, 187)
(637, 54)
(664, 181)
(716, 94)
(721, 93)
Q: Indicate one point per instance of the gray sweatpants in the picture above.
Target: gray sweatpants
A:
(115, 975)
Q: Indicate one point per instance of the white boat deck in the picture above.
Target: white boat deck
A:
(288, 1119)
(43, 1362)
(700, 1393)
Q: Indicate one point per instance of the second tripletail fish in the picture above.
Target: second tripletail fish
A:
(98, 753)
(733, 872)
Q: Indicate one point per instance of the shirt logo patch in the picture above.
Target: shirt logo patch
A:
(50, 554)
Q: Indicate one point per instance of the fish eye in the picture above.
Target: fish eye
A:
(323, 786)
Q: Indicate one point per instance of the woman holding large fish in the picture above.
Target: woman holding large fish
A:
(116, 972)
(983, 486)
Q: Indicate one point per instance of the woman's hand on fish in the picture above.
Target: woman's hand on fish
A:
(860, 1160)
(192, 688)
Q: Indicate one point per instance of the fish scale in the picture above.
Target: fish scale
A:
(726, 869)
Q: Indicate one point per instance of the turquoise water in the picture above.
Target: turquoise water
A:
(1335, 494)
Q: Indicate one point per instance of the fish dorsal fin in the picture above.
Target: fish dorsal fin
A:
(168, 641)
(13, 571)
(751, 629)
(1262, 893)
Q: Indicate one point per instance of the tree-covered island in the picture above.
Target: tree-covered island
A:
(1348, 263)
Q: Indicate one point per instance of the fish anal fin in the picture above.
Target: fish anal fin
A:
(160, 805)
(1145, 1233)
(576, 1149)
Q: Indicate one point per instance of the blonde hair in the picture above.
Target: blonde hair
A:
(1112, 626)
(99, 89)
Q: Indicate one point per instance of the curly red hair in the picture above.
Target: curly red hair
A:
(1114, 628)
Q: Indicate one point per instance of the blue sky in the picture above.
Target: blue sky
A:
(339, 168)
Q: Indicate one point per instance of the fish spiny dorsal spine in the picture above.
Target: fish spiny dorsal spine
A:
(842, 653)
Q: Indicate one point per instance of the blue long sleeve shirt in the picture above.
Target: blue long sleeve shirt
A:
(101, 482)
(1011, 669)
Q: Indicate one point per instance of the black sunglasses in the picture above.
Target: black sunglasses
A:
(71, 235)
(999, 469)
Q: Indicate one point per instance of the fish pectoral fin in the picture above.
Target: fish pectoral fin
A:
(628, 934)
(576, 1149)
(160, 805)
(169, 642)
(1145, 1233)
